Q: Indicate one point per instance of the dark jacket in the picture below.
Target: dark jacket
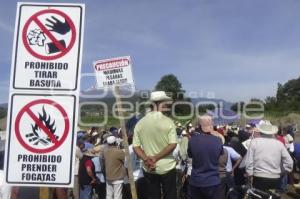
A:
(205, 150)
(83, 177)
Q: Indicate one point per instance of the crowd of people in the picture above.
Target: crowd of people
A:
(170, 160)
(174, 161)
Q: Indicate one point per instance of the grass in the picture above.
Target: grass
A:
(100, 121)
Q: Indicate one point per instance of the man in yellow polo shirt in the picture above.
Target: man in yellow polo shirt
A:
(154, 140)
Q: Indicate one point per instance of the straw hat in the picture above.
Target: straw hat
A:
(267, 128)
(158, 96)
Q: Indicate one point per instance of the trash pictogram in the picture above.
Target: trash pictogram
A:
(49, 34)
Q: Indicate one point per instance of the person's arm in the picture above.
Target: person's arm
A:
(292, 148)
(236, 157)
(141, 154)
(14, 192)
(249, 160)
(176, 154)
(89, 170)
(287, 161)
(90, 173)
(236, 164)
(163, 153)
(136, 143)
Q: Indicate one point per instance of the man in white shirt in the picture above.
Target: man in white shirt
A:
(232, 156)
(267, 158)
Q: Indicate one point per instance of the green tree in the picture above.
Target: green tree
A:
(287, 98)
(270, 103)
(270, 100)
(254, 103)
(171, 85)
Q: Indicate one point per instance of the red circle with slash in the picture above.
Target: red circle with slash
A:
(27, 109)
(63, 50)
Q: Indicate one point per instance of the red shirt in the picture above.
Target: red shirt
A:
(89, 163)
(281, 139)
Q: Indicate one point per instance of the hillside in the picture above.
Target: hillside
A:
(3, 123)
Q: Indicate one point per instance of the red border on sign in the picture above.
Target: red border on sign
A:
(26, 109)
(34, 18)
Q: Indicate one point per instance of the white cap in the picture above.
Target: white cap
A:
(111, 139)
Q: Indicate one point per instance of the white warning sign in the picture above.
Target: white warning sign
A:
(42, 116)
(48, 46)
(113, 72)
(41, 139)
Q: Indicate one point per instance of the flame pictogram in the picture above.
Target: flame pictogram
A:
(37, 136)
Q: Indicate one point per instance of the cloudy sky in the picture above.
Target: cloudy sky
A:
(236, 49)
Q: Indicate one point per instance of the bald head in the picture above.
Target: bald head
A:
(206, 123)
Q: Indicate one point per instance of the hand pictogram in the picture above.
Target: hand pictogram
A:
(57, 26)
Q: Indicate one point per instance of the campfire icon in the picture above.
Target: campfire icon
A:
(39, 137)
